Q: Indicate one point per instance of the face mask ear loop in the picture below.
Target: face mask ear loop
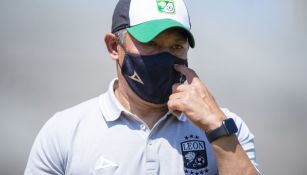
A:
(119, 43)
(120, 66)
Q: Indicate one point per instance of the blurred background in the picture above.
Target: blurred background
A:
(252, 54)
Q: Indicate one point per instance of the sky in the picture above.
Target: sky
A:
(252, 55)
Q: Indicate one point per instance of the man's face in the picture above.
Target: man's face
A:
(173, 41)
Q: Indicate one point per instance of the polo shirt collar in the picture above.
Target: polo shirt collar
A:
(111, 108)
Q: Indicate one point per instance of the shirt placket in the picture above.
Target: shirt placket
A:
(152, 145)
(152, 160)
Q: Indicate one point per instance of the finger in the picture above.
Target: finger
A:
(187, 72)
(177, 87)
(174, 105)
(177, 95)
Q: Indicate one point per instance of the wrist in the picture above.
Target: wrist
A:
(213, 126)
(216, 123)
(227, 128)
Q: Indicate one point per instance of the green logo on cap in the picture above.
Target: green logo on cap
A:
(166, 6)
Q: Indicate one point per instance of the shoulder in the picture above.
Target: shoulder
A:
(79, 111)
(63, 125)
(64, 122)
(73, 115)
(49, 152)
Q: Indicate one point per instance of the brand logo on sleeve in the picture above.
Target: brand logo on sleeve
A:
(194, 156)
(166, 6)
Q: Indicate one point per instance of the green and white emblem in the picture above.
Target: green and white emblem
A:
(166, 6)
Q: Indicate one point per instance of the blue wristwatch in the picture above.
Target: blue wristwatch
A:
(227, 128)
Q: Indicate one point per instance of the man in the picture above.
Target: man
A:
(149, 122)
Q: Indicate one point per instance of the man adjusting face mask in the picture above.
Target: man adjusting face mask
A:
(151, 77)
(132, 129)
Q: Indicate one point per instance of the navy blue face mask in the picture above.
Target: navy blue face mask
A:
(151, 77)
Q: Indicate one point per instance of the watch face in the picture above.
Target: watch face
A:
(231, 126)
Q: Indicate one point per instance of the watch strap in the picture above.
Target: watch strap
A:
(227, 128)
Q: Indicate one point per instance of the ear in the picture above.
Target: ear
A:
(111, 42)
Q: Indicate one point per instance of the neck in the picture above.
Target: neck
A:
(147, 112)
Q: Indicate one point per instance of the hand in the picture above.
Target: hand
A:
(195, 101)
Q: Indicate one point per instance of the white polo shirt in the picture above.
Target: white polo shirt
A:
(100, 137)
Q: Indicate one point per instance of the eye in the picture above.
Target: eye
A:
(177, 46)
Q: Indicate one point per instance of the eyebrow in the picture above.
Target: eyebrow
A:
(181, 40)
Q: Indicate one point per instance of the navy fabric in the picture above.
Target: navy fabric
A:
(156, 72)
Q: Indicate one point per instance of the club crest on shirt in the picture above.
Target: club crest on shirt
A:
(194, 155)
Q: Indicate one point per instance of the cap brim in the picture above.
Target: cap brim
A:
(145, 32)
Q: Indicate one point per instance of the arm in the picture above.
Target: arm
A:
(196, 102)
(231, 158)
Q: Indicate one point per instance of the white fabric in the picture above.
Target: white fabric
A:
(146, 10)
(100, 137)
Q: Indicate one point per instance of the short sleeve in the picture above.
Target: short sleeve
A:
(47, 155)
